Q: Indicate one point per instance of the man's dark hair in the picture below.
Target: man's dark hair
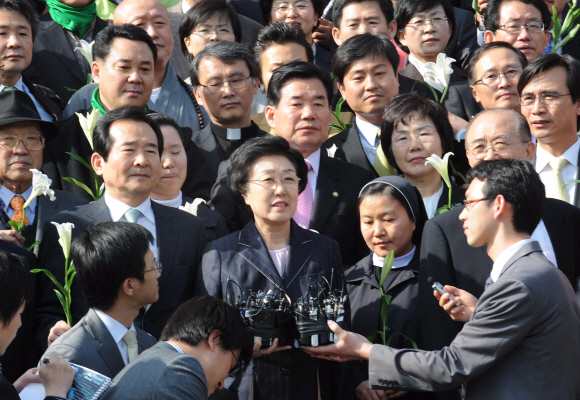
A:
(296, 70)
(24, 8)
(15, 285)
(406, 9)
(102, 139)
(521, 128)
(106, 37)
(386, 7)
(202, 12)
(519, 184)
(280, 33)
(105, 255)
(492, 13)
(363, 46)
(228, 53)
(480, 52)
(242, 160)
(404, 108)
(197, 318)
(266, 8)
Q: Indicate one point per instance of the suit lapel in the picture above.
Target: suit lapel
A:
(206, 141)
(59, 44)
(254, 251)
(109, 351)
(327, 193)
(45, 209)
(353, 145)
(562, 236)
(99, 212)
(524, 251)
(301, 249)
(166, 240)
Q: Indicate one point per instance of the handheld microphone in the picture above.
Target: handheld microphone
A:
(440, 289)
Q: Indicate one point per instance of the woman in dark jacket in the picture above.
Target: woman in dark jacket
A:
(392, 217)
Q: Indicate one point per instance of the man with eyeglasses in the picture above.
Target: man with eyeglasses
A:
(22, 133)
(445, 253)
(118, 275)
(524, 24)
(204, 342)
(225, 80)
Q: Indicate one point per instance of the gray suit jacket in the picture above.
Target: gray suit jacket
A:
(90, 344)
(160, 373)
(522, 342)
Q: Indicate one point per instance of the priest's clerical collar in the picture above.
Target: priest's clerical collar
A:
(234, 133)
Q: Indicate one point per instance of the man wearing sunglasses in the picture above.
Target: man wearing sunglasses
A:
(117, 273)
(204, 341)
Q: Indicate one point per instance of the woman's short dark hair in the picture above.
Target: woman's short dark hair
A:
(402, 109)
(519, 183)
(296, 70)
(228, 53)
(406, 9)
(280, 33)
(24, 8)
(202, 12)
(266, 7)
(242, 160)
(491, 19)
(15, 285)
(480, 52)
(105, 38)
(197, 318)
(105, 255)
(363, 46)
(165, 120)
(338, 8)
(102, 139)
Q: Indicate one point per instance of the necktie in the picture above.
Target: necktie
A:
(381, 163)
(132, 215)
(9, 88)
(488, 283)
(130, 339)
(17, 204)
(555, 186)
(305, 201)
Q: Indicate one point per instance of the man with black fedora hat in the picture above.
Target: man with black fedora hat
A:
(22, 137)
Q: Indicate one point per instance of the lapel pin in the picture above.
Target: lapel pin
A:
(335, 194)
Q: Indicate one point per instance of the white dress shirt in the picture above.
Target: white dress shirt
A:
(368, 134)
(398, 262)
(505, 256)
(314, 160)
(569, 172)
(45, 116)
(118, 209)
(117, 331)
(6, 196)
(540, 235)
(176, 347)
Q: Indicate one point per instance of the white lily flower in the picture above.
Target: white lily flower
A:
(40, 185)
(331, 151)
(87, 50)
(64, 236)
(441, 165)
(88, 124)
(439, 73)
(192, 207)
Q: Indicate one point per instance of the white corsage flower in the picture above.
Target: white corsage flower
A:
(88, 124)
(192, 207)
(40, 185)
(332, 151)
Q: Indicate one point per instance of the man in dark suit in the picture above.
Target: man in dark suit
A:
(19, 24)
(57, 62)
(250, 29)
(19, 121)
(445, 253)
(105, 340)
(527, 306)
(334, 184)
(127, 156)
(204, 341)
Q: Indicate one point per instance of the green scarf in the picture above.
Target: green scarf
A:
(96, 102)
(76, 20)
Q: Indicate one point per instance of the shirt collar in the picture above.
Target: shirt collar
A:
(18, 85)
(115, 328)
(117, 209)
(505, 256)
(368, 130)
(184, 6)
(314, 160)
(6, 196)
(313, 48)
(399, 262)
(174, 202)
(571, 155)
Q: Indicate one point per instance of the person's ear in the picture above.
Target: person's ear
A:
(256, 85)
(213, 339)
(270, 114)
(98, 163)
(530, 150)
(488, 36)
(401, 36)
(474, 93)
(197, 93)
(96, 72)
(392, 29)
(128, 286)
(336, 36)
(340, 89)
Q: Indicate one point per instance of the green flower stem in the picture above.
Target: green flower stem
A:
(444, 94)
(449, 198)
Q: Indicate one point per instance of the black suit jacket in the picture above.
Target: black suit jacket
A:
(446, 256)
(54, 64)
(464, 40)
(249, 8)
(48, 99)
(180, 239)
(214, 222)
(573, 46)
(410, 71)
(334, 212)
(323, 58)
(460, 101)
(350, 148)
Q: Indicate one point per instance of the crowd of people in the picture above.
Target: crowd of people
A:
(197, 151)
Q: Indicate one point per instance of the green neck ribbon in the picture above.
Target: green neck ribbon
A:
(76, 20)
(96, 102)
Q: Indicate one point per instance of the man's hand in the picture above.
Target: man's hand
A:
(11, 236)
(351, 346)
(322, 33)
(29, 376)
(457, 313)
(56, 376)
(258, 351)
(56, 331)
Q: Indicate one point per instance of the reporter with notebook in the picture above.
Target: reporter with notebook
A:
(117, 273)
(15, 288)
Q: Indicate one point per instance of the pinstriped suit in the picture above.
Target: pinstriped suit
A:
(243, 256)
